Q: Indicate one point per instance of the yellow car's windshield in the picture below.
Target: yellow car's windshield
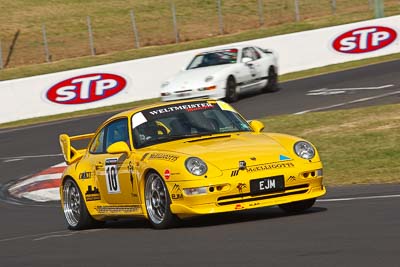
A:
(178, 121)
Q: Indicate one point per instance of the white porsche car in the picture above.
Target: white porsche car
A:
(224, 73)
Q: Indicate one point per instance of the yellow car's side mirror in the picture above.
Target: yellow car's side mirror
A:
(257, 126)
(119, 147)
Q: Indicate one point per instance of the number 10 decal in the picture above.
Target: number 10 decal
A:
(112, 176)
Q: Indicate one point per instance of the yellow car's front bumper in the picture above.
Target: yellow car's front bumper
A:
(228, 198)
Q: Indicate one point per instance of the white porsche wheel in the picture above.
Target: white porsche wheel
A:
(272, 84)
(231, 94)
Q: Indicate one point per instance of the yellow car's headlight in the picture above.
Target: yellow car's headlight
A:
(304, 150)
(196, 166)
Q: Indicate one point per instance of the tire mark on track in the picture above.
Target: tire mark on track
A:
(49, 235)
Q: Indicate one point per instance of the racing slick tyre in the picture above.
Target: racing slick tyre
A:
(157, 202)
(272, 84)
(231, 95)
(298, 206)
(75, 211)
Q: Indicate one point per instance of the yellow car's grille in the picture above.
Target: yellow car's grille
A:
(247, 197)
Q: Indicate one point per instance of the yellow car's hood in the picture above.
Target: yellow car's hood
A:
(226, 150)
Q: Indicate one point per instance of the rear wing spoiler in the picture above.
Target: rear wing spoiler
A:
(70, 153)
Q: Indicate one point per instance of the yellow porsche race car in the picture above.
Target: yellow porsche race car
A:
(174, 160)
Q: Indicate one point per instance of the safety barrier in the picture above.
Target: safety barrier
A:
(140, 79)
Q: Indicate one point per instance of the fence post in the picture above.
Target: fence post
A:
(45, 44)
(333, 3)
(370, 4)
(174, 21)
(261, 12)
(379, 9)
(135, 30)
(1, 57)
(91, 43)
(220, 18)
(297, 10)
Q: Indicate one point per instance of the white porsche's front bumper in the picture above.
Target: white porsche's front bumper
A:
(217, 93)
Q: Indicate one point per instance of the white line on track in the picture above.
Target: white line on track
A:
(8, 159)
(348, 102)
(357, 198)
(52, 236)
(328, 91)
(12, 160)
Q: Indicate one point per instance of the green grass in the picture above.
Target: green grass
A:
(357, 146)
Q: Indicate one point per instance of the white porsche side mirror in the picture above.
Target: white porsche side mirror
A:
(246, 60)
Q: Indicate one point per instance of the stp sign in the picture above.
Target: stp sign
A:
(364, 40)
(86, 88)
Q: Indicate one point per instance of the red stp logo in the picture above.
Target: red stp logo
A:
(86, 88)
(364, 40)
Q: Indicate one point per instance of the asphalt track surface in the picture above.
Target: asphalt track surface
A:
(350, 226)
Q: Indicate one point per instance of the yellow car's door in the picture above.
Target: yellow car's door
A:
(116, 179)
(114, 171)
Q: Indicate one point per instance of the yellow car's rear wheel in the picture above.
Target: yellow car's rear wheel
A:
(158, 202)
(75, 211)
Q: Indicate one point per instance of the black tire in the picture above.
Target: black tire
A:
(75, 211)
(298, 206)
(231, 95)
(272, 84)
(158, 202)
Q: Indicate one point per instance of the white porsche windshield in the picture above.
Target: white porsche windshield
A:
(185, 120)
(228, 56)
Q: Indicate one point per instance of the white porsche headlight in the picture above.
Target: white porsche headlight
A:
(165, 84)
(304, 150)
(196, 166)
(208, 79)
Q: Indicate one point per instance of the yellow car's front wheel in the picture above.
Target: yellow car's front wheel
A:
(158, 202)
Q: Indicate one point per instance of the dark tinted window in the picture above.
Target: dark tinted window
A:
(117, 131)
